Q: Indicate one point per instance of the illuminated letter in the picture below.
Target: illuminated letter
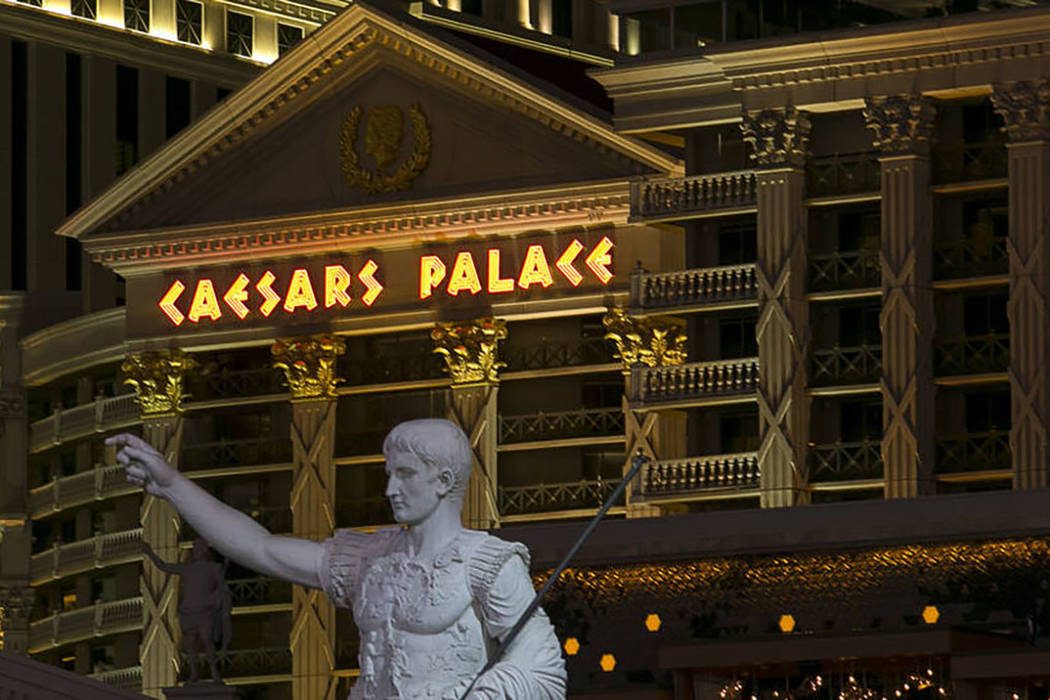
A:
(167, 302)
(300, 292)
(464, 275)
(336, 280)
(236, 295)
(497, 284)
(564, 263)
(431, 272)
(599, 260)
(205, 303)
(370, 282)
(535, 269)
(271, 297)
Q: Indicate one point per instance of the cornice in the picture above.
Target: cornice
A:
(265, 100)
(391, 225)
(97, 338)
(285, 8)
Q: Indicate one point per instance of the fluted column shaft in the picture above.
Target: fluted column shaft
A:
(474, 408)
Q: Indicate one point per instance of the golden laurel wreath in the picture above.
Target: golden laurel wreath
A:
(378, 182)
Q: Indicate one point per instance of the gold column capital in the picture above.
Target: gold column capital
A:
(1025, 107)
(157, 378)
(653, 342)
(779, 137)
(470, 349)
(309, 365)
(899, 123)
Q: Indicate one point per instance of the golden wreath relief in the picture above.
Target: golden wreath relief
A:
(384, 134)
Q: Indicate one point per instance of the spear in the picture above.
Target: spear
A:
(636, 465)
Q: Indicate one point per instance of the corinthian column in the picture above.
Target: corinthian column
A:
(901, 127)
(1024, 107)
(779, 138)
(659, 434)
(471, 353)
(309, 368)
(16, 602)
(157, 379)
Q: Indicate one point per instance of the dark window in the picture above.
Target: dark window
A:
(238, 33)
(980, 122)
(188, 14)
(177, 104)
(860, 420)
(19, 163)
(598, 394)
(127, 118)
(987, 410)
(136, 15)
(74, 138)
(84, 8)
(859, 230)
(859, 325)
(985, 315)
(737, 244)
(739, 432)
(737, 338)
(561, 18)
(471, 7)
(222, 93)
(287, 37)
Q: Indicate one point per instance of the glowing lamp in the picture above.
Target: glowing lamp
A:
(930, 614)
(608, 662)
(572, 646)
(786, 624)
(652, 622)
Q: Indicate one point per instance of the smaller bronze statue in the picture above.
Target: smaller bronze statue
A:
(204, 605)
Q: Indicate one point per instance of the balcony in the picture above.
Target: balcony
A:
(99, 416)
(421, 366)
(859, 364)
(971, 257)
(845, 461)
(974, 452)
(969, 162)
(261, 590)
(673, 478)
(843, 174)
(551, 355)
(243, 452)
(857, 269)
(231, 383)
(723, 286)
(99, 483)
(583, 423)
(77, 557)
(695, 381)
(124, 678)
(697, 194)
(91, 621)
(547, 498)
(986, 354)
(239, 663)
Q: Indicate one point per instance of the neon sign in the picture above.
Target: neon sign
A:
(307, 289)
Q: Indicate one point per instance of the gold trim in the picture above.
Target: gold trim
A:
(377, 182)
(309, 365)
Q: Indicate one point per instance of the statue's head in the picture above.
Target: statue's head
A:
(383, 134)
(427, 462)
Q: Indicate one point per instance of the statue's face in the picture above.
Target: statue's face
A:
(412, 487)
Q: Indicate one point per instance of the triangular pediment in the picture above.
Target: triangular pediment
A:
(368, 111)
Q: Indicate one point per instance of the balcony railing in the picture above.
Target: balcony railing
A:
(709, 285)
(101, 415)
(983, 354)
(845, 461)
(842, 173)
(548, 355)
(358, 512)
(966, 162)
(971, 257)
(236, 453)
(84, 623)
(229, 383)
(540, 498)
(76, 557)
(259, 591)
(263, 661)
(857, 269)
(983, 451)
(387, 370)
(694, 380)
(565, 424)
(124, 678)
(98, 483)
(681, 477)
(860, 364)
(692, 195)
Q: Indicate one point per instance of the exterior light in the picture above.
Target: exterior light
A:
(608, 662)
(652, 622)
(572, 646)
(930, 614)
(786, 624)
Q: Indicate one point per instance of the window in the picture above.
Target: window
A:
(471, 7)
(561, 18)
(188, 15)
(985, 315)
(859, 326)
(738, 432)
(987, 411)
(87, 9)
(73, 163)
(136, 15)
(127, 118)
(177, 105)
(737, 244)
(19, 164)
(287, 37)
(860, 420)
(239, 33)
(737, 338)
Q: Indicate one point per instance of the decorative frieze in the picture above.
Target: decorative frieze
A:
(645, 342)
(470, 349)
(778, 137)
(309, 365)
(157, 377)
(899, 123)
(1025, 107)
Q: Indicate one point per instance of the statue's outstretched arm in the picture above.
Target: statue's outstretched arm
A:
(229, 531)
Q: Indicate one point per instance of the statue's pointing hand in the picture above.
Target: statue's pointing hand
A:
(145, 466)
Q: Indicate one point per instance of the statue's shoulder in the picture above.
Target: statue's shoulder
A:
(488, 555)
(346, 555)
(348, 542)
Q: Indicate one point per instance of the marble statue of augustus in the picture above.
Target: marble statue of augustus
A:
(431, 599)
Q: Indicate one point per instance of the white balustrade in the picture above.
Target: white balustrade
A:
(678, 476)
(694, 380)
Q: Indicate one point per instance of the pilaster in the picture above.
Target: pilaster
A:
(158, 381)
(1025, 107)
(309, 369)
(779, 138)
(471, 353)
(659, 434)
(901, 126)
(16, 603)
